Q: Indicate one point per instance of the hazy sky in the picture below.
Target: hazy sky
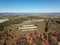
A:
(29, 6)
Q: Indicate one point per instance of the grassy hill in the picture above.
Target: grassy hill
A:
(12, 27)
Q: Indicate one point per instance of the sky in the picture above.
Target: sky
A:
(29, 6)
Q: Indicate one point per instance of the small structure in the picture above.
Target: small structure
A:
(34, 20)
(38, 20)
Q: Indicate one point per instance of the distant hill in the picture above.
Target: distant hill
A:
(4, 14)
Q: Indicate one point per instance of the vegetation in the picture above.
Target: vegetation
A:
(9, 26)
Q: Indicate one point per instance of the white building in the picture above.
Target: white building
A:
(28, 27)
(3, 20)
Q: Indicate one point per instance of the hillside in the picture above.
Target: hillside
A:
(17, 25)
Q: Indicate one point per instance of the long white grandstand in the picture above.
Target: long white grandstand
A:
(28, 27)
(3, 20)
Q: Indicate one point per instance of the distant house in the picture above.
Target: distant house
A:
(38, 20)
